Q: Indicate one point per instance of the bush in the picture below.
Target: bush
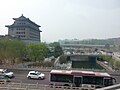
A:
(63, 59)
(117, 64)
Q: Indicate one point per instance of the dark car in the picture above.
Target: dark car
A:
(4, 78)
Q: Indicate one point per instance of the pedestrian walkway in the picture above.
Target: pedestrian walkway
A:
(113, 87)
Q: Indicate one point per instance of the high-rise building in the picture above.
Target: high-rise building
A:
(25, 29)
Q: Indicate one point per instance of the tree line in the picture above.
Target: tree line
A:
(14, 51)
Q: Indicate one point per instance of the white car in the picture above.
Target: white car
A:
(6, 73)
(35, 75)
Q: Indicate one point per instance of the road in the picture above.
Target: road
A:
(116, 56)
(21, 76)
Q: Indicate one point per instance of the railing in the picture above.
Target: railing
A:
(24, 86)
(113, 87)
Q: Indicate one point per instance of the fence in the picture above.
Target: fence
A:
(113, 87)
(24, 86)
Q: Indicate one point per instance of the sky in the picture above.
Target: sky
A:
(65, 19)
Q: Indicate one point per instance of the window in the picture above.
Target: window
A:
(33, 74)
(62, 78)
(92, 80)
(108, 81)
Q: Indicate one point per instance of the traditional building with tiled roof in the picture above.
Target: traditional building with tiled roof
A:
(25, 29)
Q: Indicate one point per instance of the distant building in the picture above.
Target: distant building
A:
(75, 43)
(25, 29)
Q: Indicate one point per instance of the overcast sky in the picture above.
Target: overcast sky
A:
(65, 19)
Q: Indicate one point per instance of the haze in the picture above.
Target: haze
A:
(65, 19)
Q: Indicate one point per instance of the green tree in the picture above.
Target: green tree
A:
(106, 58)
(55, 49)
(37, 51)
(10, 50)
(58, 51)
(54, 44)
(63, 59)
(117, 64)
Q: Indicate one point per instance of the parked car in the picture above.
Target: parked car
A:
(7, 73)
(3, 78)
(35, 75)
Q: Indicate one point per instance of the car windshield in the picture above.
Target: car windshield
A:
(38, 73)
(6, 71)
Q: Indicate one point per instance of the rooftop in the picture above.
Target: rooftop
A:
(23, 18)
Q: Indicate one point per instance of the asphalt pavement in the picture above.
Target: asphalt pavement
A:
(21, 77)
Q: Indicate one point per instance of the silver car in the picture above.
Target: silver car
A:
(6, 73)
